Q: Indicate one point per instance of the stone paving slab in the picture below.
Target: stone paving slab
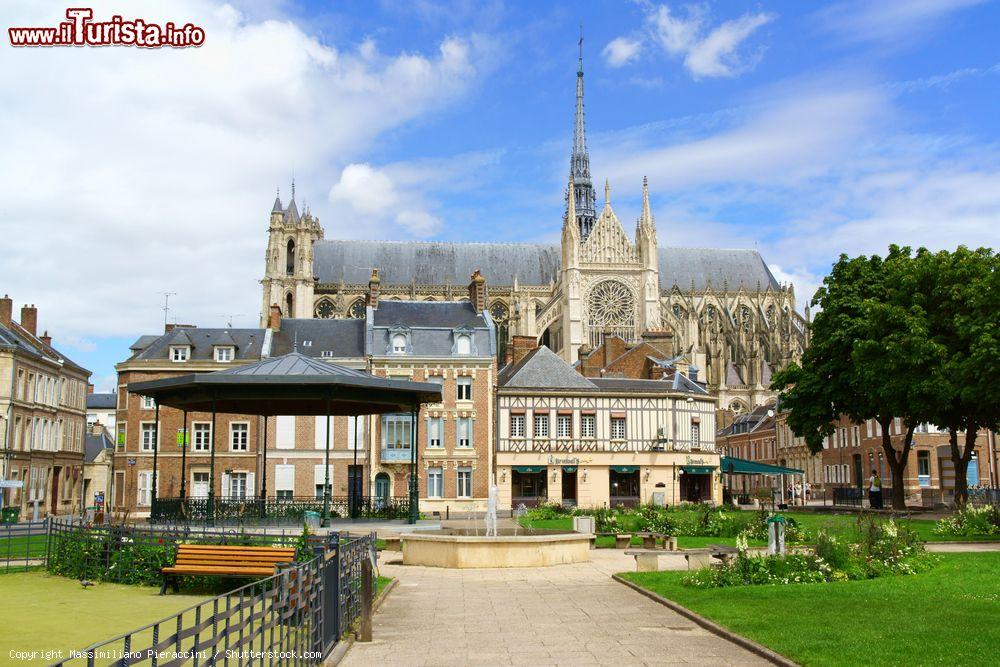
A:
(562, 615)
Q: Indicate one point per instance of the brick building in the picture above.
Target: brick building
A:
(43, 415)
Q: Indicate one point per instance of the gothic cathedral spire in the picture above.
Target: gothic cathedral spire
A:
(580, 161)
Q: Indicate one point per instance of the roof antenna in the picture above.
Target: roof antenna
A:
(295, 344)
(166, 306)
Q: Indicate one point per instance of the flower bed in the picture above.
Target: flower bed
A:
(882, 548)
(971, 522)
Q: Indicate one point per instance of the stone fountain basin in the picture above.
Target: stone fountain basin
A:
(462, 548)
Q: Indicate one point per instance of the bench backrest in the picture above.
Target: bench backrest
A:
(238, 557)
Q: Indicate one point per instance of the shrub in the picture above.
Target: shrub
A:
(548, 511)
(970, 522)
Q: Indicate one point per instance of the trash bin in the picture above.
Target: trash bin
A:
(10, 514)
(776, 535)
(91, 512)
(312, 520)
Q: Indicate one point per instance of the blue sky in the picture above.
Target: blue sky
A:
(806, 129)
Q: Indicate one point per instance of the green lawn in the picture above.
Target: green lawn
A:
(947, 616)
(839, 524)
(32, 546)
(55, 613)
(380, 584)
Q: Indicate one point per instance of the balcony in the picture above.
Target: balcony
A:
(401, 454)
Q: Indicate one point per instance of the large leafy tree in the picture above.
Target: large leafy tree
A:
(868, 357)
(960, 294)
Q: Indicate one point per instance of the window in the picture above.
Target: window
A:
(564, 426)
(239, 436)
(463, 344)
(541, 425)
(898, 424)
(588, 426)
(464, 427)
(463, 389)
(319, 479)
(434, 428)
(924, 468)
(355, 431)
(148, 436)
(857, 436)
(290, 261)
(696, 434)
(238, 485)
(179, 353)
(396, 431)
(319, 433)
(435, 484)
(617, 428)
(464, 489)
(202, 436)
(517, 426)
(284, 429)
(148, 403)
(399, 343)
(284, 482)
(145, 483)
(224, 354)
(868, 427)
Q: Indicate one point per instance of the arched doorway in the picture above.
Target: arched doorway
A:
(382, 488)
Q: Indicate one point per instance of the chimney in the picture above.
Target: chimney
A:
(374, 288)
(274, 319)
(521, 346)
(29, 319)
(90, 388)
(168, 327)
(477, 291)
(6, 310)
(46, 339)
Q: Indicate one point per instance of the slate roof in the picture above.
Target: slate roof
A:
(431, 326)
(142, 342)
(677, 383)
(313, 337)
(202, 341)
(440, 314)
(17, 338)
(93, 445)
(439, 263)
(293, 363)
(543, 369)
(102, 401)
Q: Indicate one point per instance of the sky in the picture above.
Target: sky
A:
(803, 129)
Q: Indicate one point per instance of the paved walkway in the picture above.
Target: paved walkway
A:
(562, 615)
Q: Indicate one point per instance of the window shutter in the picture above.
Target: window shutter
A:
(225, 485)
(284, 432)
(320, 437)
(251, 492)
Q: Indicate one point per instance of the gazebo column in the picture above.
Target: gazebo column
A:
(156, 450)
(263, 474)
(414, 510)
(211, 472)
(352, 482)
(326, 466)
(184, 446)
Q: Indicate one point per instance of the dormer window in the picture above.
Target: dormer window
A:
(179, 353)
(224, 354)
(399, 341)
(463, 343)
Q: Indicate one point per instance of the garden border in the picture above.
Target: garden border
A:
(711, 626)
(340, 650)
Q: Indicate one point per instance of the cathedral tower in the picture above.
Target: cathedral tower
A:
(579, 165)
(288, 274)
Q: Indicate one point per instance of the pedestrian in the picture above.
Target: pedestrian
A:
(808, 492)
(874, 491)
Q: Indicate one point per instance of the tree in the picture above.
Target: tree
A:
(868, 358)
(960, 293)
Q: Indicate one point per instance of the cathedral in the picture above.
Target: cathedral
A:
(727, 315)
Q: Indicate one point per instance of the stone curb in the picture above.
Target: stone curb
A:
(714, 628)
(341, 649)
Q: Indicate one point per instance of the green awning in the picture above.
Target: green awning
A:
(698, 470)
(529, 468)
(569, 468)
(734, 466)
(625, 469)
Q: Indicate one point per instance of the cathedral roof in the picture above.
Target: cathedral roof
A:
(440, 263)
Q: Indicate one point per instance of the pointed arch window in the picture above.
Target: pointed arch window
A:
(288, 305)
(290, 258)
(357, 309)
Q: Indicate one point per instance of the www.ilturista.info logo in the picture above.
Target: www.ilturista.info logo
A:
(81, 30)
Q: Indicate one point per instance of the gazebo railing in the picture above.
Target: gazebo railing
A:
(274, 510)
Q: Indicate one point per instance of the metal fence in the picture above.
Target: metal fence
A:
(984, 496)
(251, 511)
(295, 617)
(23, 545)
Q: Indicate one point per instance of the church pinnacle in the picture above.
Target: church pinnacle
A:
(580, 161)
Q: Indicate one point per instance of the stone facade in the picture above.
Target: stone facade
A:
(42, 402)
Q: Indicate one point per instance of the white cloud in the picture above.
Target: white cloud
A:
(129, 172)
(894, 22)
(621, 51)
(707, 51)
(364, 189)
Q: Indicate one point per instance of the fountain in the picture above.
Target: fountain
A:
(498, 548)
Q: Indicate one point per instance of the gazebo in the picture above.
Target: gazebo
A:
(292, 384)
(730, 465)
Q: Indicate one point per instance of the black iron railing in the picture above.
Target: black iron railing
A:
(225, 511)
(23, 545)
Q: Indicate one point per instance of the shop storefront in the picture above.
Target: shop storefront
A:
(623, 487)
(696, 483)
(529, 486)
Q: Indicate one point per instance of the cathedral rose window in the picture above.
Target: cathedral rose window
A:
(324, 310)
(610, 305)
(357, 310)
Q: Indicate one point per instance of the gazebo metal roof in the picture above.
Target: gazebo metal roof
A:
(292, 384)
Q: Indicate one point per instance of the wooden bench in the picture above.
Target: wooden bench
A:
(218, 560)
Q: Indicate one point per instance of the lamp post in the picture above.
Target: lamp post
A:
(414, 512)
(326, 473)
